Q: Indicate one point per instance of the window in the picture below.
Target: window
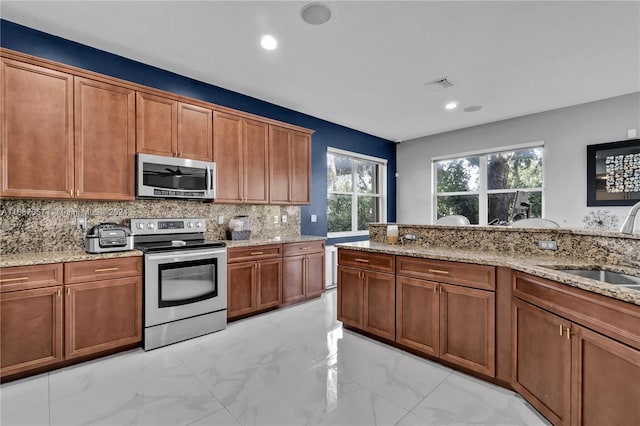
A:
(498, 187)
(356, 192)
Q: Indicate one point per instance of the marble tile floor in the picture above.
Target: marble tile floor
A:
(293, 366)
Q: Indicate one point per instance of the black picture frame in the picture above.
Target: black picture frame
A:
(596, 196)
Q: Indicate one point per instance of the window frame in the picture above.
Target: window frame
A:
(381, 195)
(482, 192)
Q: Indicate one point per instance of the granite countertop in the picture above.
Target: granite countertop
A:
(40, 258)
(265, 241)
(545, 267)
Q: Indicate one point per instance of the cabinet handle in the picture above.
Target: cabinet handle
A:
(255, 253)
(58, 293)
(10, 280)
(438, 271)
(568, 333)
(106, 269)
(305, 248)
(561, 330)
(68, 291)
(362, 260)
(435, 289)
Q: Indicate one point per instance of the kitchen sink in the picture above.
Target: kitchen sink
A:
(606, 276)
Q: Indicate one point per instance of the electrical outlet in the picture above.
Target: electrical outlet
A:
(81, 223)
(548, 245)
(220, 220)
(314, 218)
(284, 218)
(275, 218)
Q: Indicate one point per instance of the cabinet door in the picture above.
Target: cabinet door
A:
(156, 124)
(379, 304)
(606, 381)
(467, 328)
(36, 156)
(541, 361)
(241, 288)
(300, 168)
(350, 296)
(195, 134)
(315, 270)
(269, 283)
(293, 280)
(104, 141)
(279, 165)
(227, 153)
(30, 329)
(102, 315)
(256, 162)
(417, 315)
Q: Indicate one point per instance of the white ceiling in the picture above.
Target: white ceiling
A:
(367, 66)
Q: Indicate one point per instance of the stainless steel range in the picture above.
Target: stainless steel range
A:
(185, 280)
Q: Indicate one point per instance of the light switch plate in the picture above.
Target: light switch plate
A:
(275, 218)
(314, 218)
(284, 218)
(220, 220)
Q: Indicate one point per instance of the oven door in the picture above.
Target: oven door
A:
(184, 284)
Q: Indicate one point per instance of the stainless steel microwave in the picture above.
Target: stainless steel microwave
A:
(171, 177)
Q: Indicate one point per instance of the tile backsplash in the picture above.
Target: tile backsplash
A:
(50, 225)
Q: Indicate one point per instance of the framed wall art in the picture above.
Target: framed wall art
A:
(613, 173)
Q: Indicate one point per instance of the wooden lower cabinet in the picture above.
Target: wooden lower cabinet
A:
(467, 328)
(418, 315)
(102, 315)
(542, 360)
(30, 329)
(605, 387)
(366, 300)
(253, 286)
(303, 276)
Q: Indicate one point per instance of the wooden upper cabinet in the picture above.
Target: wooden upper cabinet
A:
(289, 166)
(104, 141)
(36, 156)
(167, 127)
(301, 168)
(195, 132)
(241, 156)
(156, 124)
(256, 162)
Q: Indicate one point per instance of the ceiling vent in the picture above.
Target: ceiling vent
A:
(439, 84)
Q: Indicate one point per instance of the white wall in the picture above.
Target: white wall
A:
(566, 132)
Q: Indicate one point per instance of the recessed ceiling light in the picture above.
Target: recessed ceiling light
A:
(315, 13)
(473, 108)
(451, 105)
(268, 42)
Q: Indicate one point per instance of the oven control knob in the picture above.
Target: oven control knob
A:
(199, 224)
(140, 225)
(190, 224)
(151, 226)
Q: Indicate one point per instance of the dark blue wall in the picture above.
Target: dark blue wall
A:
(37, 43)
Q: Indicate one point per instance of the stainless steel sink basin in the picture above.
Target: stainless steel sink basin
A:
(606, 276)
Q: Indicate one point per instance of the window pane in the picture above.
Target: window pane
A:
(367, 212)
(338, 213)
(339, 173)
(466, 205)
(367, 177)
(458, 175)
(511, 206)
(515, 169)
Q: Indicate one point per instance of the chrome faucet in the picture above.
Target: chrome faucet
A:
(629, 222)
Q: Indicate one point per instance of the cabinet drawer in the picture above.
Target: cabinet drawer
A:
(366, 260)
(611, 317)
(465, 274)
(242, 254)
(292, 249)
(26, 277)
(104, 269)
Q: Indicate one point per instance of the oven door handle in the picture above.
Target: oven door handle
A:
(156, 257)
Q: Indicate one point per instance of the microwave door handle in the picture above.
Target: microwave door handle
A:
(209, 178)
